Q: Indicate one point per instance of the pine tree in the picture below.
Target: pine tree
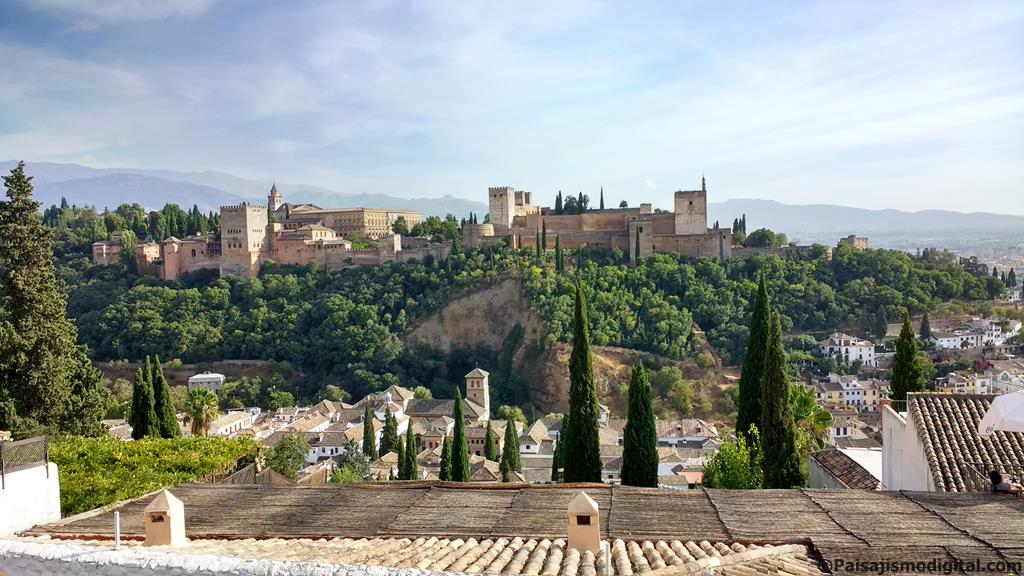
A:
(640, 437)
(369, 435)
(144, 418)
(559, 256)
(411, 467)
(749, 409)
(490, 444)
(163, 403)
(926, 327)
(460, 446)
(445, 473)
(583, 462)
(602, 198)
(389, 434)
(783, 467)
(510, 452)
(906, 371)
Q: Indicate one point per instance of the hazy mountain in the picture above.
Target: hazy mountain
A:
(110, 187)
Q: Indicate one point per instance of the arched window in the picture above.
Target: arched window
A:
(193, 252)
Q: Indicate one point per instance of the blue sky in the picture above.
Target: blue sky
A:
(905, 105)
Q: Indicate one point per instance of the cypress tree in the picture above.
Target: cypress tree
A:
(555, 464)
(144, 419)
(995, 273)
(411, 468)
(602, 198)
(749, 409)
(583, 462)
(538, 246)
(906, 372)
(544, 237)
(46, 379)
(163, 403)
(1011, 279)
(445, 473)
(490, 445)
(636, 249)
(460, 446)
(783, 467)
(510, 452)
(401, 459)
(559, 257)
(558, 203)
(579, 203)
(926, 327)
(369, 435)
(640, 438)
(389, 434)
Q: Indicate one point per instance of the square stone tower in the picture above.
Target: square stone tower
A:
(243, 232)
(692, 211)
(478, 389)
(502, 205)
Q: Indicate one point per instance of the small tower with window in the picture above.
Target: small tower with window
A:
(478, 390)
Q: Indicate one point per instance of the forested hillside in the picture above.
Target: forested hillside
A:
(345, 327)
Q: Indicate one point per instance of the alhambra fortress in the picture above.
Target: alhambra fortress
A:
(300, 234)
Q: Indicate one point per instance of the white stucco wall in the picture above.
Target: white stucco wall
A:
(24, 558)
(904, 465)
(29, 498)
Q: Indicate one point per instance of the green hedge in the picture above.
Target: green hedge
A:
(95, 472)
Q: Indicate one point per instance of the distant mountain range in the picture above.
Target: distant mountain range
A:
(825, 223)
(110, 187)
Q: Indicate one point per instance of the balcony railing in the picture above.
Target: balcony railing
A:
(23, 454)
(977, 479)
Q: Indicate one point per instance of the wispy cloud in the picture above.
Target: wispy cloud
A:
(89, 14)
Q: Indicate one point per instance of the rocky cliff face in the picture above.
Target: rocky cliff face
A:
(484, 317)
(487, 315)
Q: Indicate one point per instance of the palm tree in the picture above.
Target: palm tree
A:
(812, 420)
(201, 410)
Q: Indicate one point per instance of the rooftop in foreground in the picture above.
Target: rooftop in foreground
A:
(521, 527)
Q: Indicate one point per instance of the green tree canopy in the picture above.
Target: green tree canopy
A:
(907, 375)
(288, 456)
(490, 444)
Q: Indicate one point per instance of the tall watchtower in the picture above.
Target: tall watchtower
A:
(692, 210)
(274, 200)
(478, 389)
(502, 205)
(243, 232)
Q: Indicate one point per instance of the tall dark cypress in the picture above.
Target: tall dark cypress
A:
(1011, 278)
(558, 203)
(490, 444)
(559, 256)
(749, 409)
(389, 434)
(510, 461)
(144, 420)
(538, 246)
(369, 435)
(926, 327)
(555, 465)
(783, 467)
(411, 467)
(460, 445)
(906, 372)
(401, 459)
(583, 460)
(636, 248)
(445, 472)
(544, 237)
(163, 403)
(640, 438)
(602, 198)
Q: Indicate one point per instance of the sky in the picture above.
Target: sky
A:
(908, 105)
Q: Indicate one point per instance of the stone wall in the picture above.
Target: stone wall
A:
(26, 558)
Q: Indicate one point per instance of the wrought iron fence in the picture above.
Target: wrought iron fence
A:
(22, 454)
(978, 480)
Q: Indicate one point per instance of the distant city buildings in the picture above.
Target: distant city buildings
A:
(849, 349)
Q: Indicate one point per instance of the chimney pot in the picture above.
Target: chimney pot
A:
(164, 519)
(584, 524)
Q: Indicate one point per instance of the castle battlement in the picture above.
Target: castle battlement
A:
(239, 208)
